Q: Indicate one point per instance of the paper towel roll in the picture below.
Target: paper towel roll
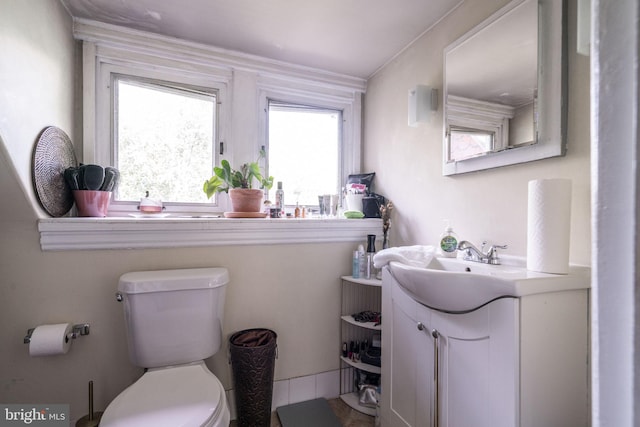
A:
(49, 340)
(549, 225)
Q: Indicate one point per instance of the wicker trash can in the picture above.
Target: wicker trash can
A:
(253, 354)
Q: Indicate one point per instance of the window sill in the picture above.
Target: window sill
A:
(59, 234)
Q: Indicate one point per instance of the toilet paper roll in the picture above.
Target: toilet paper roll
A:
(49, 340)
(548, 225)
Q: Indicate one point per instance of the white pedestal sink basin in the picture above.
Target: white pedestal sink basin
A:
(456, 286)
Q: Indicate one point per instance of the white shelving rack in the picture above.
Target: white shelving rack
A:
(357, 295)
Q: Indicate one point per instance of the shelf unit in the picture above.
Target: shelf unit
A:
(357, 295)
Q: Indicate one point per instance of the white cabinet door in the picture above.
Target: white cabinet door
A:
(478, 361)
(407, 377)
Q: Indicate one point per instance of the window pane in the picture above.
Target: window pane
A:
(465, 144)
(164, 141)
(304, 146)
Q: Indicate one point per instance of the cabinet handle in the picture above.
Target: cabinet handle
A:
(436, 377)
(420, 326)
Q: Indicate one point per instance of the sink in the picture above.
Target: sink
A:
(457, 286)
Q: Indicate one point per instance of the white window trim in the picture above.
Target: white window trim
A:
(105, 127)
(351, 109)
(57, 234)
(109, 46)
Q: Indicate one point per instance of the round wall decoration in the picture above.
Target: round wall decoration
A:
(53, 154)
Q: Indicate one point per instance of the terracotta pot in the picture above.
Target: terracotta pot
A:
(246, 199)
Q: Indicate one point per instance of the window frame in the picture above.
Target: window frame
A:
(176, 88)
(349, 156)
(106, 126)
(316, 108)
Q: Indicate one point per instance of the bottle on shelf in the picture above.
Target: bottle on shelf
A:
(371, 251)
(280, 199)
(355, 270)
(362, 262)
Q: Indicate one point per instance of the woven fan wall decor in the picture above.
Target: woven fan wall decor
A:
(53, 154)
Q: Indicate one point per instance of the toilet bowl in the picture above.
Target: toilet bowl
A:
(173, 322)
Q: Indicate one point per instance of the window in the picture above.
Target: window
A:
(163, 140)
(304, 146)
(222, 100)
(468, 143)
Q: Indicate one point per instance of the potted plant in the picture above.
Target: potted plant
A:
(239, 183)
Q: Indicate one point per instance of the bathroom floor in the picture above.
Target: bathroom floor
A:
(348, 417)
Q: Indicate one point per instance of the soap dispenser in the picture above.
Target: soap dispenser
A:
(448, 242)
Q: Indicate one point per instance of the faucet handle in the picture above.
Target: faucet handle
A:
(492, 254)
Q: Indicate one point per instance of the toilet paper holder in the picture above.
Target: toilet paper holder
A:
(78, 330)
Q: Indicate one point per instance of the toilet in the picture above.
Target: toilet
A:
(173, 322)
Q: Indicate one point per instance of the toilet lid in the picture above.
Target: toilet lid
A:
(182, 396)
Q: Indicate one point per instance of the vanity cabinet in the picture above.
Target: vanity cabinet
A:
(358, 295)
(513, 362)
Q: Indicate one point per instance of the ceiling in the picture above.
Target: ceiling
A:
(352, 37)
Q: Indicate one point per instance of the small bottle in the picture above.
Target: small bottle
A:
(296, 213)
(355, 269)
(448, 242)
(280, 199)
(371, 251)
(266, 197)
(362, 262)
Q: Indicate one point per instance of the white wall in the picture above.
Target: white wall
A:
(486, 205)
(37, 78)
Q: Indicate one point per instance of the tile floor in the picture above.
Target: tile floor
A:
(348, 417)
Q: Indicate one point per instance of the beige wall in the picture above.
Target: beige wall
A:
(292, 289)
(487, 205)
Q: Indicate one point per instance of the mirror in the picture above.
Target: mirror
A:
(504, 89)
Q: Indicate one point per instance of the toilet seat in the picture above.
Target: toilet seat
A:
(177, 396)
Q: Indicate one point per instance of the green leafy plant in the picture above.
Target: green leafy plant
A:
(224, 177)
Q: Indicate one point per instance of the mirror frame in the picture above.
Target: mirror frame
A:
(551, 103)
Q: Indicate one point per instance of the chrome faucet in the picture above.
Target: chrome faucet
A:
(471, 253)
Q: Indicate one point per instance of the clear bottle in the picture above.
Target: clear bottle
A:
(371, 251)
(280, 198)
(362, 262)
(448, 242)
(355, 270)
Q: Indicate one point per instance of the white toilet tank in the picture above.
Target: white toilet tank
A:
(173, 316)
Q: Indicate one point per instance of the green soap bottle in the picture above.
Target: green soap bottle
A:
(448, 242)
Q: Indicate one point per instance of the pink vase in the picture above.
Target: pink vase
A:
(92, 203)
